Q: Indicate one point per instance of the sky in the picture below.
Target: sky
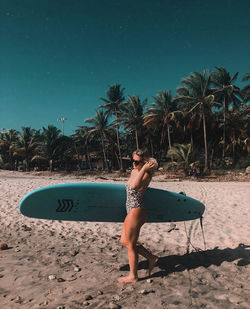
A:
(58, 57)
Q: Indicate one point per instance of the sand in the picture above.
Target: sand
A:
(52, 264)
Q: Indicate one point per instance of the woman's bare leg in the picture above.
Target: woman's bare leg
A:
(140, 249)
(152, 259)
(130, 234)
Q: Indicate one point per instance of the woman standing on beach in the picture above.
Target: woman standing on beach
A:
(136, 187)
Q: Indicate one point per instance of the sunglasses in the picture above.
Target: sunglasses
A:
(136, 162)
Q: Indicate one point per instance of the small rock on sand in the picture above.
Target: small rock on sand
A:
(77, 269)
(3, 246)
(18, 300)
(88, 297)
(114, 306)
(52, 277)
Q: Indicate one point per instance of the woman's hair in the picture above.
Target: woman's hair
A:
(153, 160)
(143, 154)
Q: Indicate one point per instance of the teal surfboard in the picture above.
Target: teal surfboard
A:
(102, 202)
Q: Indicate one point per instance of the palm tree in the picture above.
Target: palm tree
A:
(181, 153)
(27, 143)
(246, 90)
(188, 123)
(238, 126)
(49, 148)
(112, 104)
(132, 113)
(196, 96)
(100, 127)
(8, 147)
(151, 138)
(228, 93)
(66, 152)
(160, 115)
(81, 142)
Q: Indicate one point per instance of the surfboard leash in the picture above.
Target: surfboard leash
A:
(202, 230)
(189, 243)
(203, 235)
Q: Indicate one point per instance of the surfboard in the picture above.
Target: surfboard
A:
(102, 202)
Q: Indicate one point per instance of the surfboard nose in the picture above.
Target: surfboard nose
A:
(200, 209)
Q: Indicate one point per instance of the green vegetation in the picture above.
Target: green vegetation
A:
(206, 125)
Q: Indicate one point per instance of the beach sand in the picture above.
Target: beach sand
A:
(52, 264)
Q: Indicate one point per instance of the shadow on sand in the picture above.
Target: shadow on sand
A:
(178, 263)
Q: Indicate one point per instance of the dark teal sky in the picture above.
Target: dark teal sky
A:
(57, 57)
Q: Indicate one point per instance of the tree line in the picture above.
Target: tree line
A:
(205, 125)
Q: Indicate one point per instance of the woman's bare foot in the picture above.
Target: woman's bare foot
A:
(127, 279)
(151, 264)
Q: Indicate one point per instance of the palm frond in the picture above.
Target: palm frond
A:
(246, 77)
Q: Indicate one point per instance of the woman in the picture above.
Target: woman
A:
(138, 182)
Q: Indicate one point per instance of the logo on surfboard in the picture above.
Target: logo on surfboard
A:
(66, 205)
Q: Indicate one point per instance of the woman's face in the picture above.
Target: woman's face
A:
(137, 162)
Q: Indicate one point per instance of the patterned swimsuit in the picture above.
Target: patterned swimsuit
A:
(134, 199)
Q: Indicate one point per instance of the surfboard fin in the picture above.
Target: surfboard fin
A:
(202, 229)
(183, 193)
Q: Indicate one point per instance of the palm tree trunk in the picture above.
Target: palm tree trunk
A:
(27, 163)
(205, 140)
(211, 159)
(51, 165)
(104, 153)
(169, 139)
(117, 157)
(78, 156)
(224, 130)
(161, 146)
(118, 142)
(88, 157)
(233, 147)
(136, 139)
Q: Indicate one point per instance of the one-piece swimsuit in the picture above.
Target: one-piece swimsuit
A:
(134, 199)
